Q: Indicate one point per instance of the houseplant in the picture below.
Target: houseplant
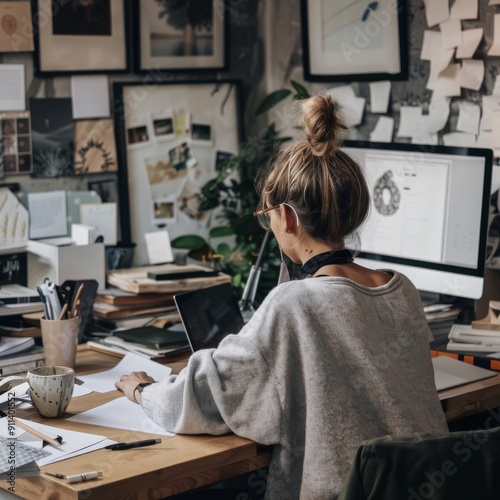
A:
(235, 237)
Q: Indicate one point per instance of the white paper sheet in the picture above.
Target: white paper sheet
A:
(495, 47)
(490, 104)
(447, 84)
(383, 130)
(380, 93)
(12, 89)
(48, 214)
(464, 9)
(459, 139)
(470, 42)
(158, 247)
(410, 117)
(468, 117)
(436, 11)
(120, 414)
(471, 74)
(74, 443)
(105, 381)
(352, 107)
(102, 216)
(451, 32)
(90, 96)
(430, 44)
(495, 137)
(439, 111)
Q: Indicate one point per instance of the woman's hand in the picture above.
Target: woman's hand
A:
(128, 383)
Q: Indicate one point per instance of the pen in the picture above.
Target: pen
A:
(135, 444)
(54, 441)
(54, 474)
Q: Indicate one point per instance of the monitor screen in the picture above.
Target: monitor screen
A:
(429, 214)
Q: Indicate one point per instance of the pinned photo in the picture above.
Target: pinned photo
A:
(164, 211)
(221, 159)
(163, 125)
(138, 133)
(181, 124)
(181, 157)
(201, 133)
(189, 202)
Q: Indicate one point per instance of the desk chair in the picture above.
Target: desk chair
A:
(456, 466)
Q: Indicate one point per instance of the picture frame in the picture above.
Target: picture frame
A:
(160, 181)
(360, 40)
(165, 42)
(77, 37)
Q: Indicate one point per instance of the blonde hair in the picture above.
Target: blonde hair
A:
(324, 185)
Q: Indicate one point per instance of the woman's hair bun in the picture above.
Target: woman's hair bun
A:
(324, 124)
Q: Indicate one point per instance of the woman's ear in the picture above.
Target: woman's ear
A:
(289, 218)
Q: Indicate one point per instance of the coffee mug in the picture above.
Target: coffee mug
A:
(51, 388)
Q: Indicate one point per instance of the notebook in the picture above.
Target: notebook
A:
(208, 315)
(449, 372)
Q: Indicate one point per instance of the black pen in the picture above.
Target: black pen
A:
(135, 444)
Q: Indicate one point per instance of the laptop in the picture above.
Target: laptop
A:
(208, 315)
(449, 372)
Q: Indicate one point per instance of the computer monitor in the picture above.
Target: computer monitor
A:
(429, 214)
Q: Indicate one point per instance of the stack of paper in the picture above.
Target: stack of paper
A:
(467, 338)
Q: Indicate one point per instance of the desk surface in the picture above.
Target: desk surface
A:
(179, 463)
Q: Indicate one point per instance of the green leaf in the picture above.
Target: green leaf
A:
(189, 241)
(271, 100)
(302, 92)
(218, 232)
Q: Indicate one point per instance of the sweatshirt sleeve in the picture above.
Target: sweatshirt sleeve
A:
(228, 389)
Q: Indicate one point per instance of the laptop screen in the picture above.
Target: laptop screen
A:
(209, 315)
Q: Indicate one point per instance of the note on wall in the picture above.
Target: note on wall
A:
(13, 221)
(12, 89)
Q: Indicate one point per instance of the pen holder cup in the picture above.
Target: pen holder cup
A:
(59, 339)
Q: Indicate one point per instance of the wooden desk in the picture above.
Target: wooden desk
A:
(177, 464)
(470, 399)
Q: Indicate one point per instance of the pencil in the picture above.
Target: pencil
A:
(63, 311)
(76, 301)
(53, 441)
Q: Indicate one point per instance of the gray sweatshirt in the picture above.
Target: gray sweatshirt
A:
(323, 365)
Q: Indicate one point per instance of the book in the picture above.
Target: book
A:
(12, 345)
(136, 280)
(117, 297)
(486, 360)
(18, 294)
(23, 361)
(104, 310)
(99, 345)
(150, 336)
(475, 338)
(182, 272)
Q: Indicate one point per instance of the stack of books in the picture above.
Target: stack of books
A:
(440, 318)
(114, 303)
(18, 355)
(466, 337)
(149, 342)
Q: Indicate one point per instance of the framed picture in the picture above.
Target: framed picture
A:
(78, 36)
(180, 35)
(160, 182)
(350, 40)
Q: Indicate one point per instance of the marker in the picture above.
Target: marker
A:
(54, 474)
(135, 444)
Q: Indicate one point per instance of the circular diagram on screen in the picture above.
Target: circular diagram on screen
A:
(386, 195)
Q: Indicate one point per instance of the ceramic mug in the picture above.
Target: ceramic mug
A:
(51, 388)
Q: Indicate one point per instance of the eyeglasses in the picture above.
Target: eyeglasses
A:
(264, 219)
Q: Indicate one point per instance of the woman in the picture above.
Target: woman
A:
(326, 362)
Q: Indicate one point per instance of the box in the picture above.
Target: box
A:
(61, 263)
